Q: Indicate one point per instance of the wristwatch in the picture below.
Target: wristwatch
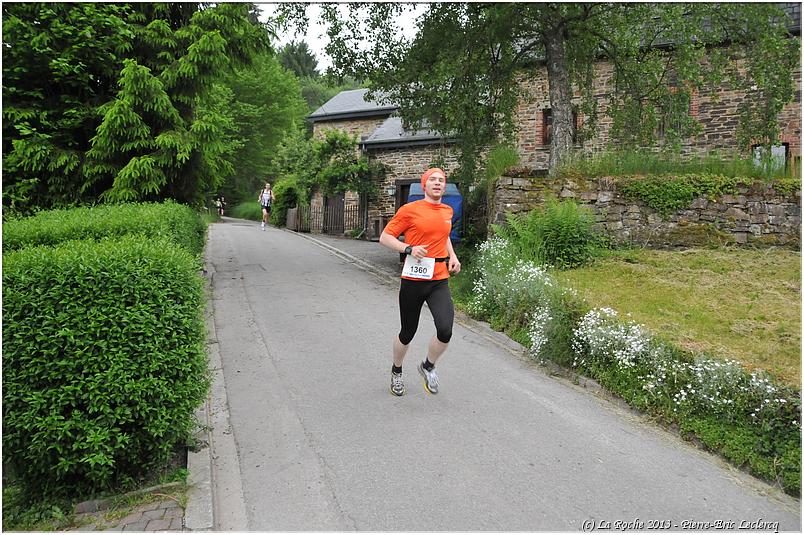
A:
(408, 250)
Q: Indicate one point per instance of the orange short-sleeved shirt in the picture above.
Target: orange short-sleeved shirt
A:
(428, 224)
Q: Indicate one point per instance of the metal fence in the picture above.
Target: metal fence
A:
(335, 219)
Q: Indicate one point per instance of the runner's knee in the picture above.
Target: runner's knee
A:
(406, 335)
(444, 334)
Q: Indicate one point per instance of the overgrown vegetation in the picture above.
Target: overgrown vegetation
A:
(560, 234)
(330, 165)
(745, 415)
(635, 162)
(667, 183)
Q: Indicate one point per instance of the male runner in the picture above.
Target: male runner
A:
(426, 225)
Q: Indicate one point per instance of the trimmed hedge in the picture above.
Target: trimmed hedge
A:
(104, 359)
(177, 222)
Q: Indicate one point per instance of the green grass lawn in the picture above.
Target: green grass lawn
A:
(743, 304)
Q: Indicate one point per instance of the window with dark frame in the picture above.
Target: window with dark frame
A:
(547, 126)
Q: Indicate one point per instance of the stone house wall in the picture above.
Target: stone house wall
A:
(715, 108)
(757, 214)
(360, 127)
(406, 163)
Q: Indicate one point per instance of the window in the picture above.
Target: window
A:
(670, 117)
(778, 157)
(547, 126)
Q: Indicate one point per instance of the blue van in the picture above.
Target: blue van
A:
(451, 197)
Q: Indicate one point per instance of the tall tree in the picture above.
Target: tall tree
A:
(112, 100)
(266, 103)
(298, 58)
(460, 72)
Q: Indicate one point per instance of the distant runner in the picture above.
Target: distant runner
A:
(265, 200)
(430, 258)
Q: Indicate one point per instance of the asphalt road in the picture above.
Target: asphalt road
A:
(321, 445)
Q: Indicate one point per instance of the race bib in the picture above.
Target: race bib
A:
(416, 268)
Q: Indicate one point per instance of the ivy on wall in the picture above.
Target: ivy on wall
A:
(666, 194)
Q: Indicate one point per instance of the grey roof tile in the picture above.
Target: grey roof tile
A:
(352, 103)
(391, 132)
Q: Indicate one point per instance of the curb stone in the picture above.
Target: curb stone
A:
(198, 514)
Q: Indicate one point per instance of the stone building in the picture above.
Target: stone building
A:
(350, 112)
(407, 153)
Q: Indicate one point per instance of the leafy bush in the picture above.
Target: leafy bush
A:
(250, 210)
(103, 360)
(288, 195)
(177, 222)
(561, 234)
(667, 194)
(522, 299)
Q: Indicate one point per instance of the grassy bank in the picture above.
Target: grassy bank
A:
(743, 304)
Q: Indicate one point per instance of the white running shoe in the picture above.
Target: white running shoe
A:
(430, 379)
(397, 386)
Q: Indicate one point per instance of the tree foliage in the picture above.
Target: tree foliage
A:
(330, 165)
(265, 103)
(460, 72)
(116, 101)
(298, 58)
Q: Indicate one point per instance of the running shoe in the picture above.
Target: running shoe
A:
(397, 386)
(430, 379)
(263, 225)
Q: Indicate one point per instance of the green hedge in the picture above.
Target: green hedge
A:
(104, 360)
(177, 222)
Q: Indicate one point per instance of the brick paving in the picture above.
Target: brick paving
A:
(161, 515)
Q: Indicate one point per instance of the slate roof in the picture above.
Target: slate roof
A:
(390, 134)
(351, 104)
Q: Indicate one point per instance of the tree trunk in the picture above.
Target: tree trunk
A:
(560, 96)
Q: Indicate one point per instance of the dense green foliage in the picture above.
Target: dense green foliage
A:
(175, 222)
(560, 234)
(459, 72)
(117, 101)
(330, 165)
(248, 210)
(265, 104)
(666, 194)
(297, 58)
(103, 360)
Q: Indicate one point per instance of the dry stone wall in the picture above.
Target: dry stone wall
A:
(758, 214)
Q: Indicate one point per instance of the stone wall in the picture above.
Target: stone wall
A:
(406, 163)
(757, 214)
(361, 128)
(715, 108)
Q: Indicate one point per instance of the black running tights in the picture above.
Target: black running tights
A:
(413, 295)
